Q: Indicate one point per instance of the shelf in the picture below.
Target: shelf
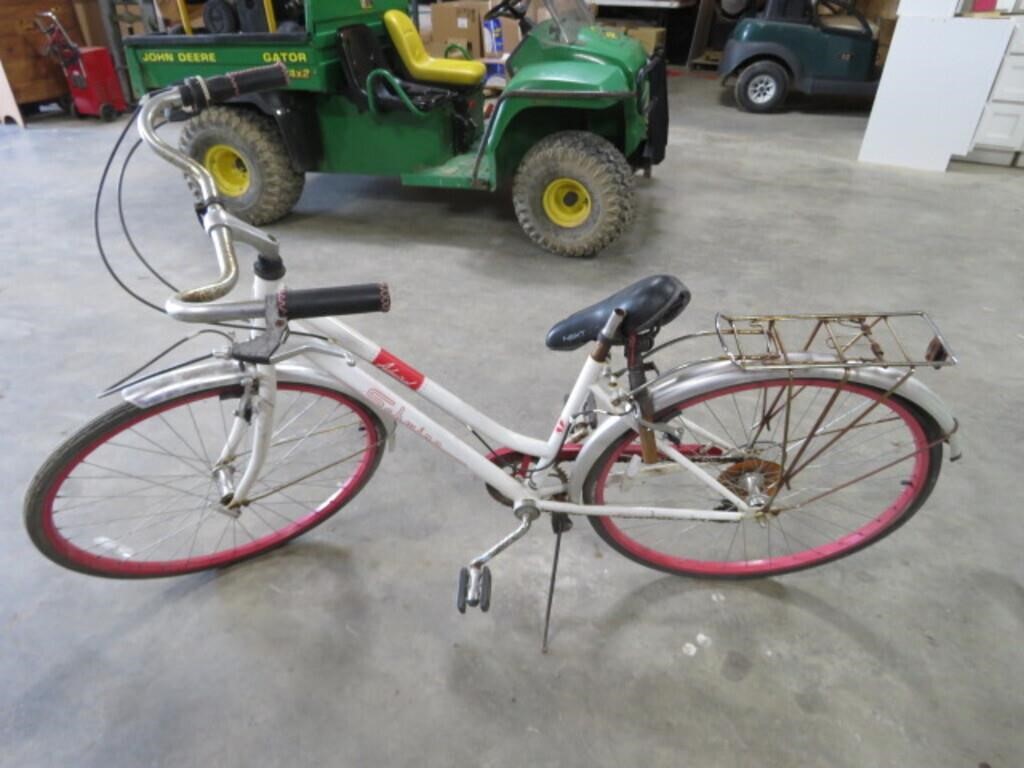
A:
(662, 4)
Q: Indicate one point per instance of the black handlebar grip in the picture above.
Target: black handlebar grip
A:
(339, 300)
(197, 93)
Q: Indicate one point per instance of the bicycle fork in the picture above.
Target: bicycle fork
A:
(256, 412)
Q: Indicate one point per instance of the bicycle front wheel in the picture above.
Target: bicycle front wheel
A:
(133, 495)
(836, 466)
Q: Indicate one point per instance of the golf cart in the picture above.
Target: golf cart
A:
(584, 108)
(810, 46)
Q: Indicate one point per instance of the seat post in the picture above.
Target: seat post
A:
(636, 345)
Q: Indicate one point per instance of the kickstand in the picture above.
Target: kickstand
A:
(559, 524)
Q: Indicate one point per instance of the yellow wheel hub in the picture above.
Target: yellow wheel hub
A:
(228, 168)
(566, 203)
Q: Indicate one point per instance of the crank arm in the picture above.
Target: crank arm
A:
(526, 513)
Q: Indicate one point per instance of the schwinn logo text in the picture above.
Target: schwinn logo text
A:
(398, 369)
(387, 404)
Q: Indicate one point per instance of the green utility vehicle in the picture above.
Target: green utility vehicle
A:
(584, 108)
(810, 46)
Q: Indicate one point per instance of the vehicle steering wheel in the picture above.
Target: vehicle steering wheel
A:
(512, 9)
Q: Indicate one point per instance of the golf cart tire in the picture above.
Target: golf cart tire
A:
(588, 160)
(274, 187)
(762, 69)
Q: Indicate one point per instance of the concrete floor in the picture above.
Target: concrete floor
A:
(344, 648)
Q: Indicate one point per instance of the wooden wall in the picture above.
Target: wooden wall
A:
(32, 76)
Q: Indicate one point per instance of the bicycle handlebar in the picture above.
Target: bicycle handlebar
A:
(194, 95)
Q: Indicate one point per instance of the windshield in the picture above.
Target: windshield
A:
(570, 16)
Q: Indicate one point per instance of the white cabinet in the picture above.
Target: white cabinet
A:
(1000, 131)
(1017, 43)
(1010, 81)
(1001, 127)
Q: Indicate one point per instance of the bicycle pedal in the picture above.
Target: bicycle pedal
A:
(474, 589)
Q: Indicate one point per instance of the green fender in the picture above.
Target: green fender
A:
(557, 88)
(580, 76)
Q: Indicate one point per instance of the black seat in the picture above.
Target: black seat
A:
(360, 55)
(648, 304)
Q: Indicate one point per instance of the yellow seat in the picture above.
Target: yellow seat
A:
(421, 65)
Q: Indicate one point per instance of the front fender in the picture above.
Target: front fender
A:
(579, 76)
(225, 373)
(705, 377)
(557, 88)
(738, 52)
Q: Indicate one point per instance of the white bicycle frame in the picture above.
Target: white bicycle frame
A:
(337, 359)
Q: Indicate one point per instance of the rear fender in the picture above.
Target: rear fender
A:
(225, 373)
(706, 377)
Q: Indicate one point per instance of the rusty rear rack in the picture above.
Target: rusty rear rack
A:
(904, 339)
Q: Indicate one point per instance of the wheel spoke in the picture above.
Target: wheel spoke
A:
(193, 463)
(182, 439)
(129, 476)
(199, 436)
(315, 472)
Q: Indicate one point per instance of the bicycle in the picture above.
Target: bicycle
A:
(804, 439)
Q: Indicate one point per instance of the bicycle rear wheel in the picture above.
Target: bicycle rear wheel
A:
(843, 465)
(132, 495)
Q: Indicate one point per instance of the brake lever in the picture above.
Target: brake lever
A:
(259, 349)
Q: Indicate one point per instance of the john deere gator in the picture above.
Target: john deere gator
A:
(584, 109)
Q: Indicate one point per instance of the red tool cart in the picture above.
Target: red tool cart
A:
(92, 81)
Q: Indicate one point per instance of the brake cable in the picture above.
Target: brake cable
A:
(124, 224)
(96, 217)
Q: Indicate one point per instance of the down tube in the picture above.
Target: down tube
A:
(418, 422)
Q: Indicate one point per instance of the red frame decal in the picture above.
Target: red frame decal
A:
(399, 369)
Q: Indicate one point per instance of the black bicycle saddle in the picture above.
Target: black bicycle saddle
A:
(648, 303)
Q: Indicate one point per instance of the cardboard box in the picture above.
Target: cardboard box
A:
(651, 38)
(437, 46)
(458, 22)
